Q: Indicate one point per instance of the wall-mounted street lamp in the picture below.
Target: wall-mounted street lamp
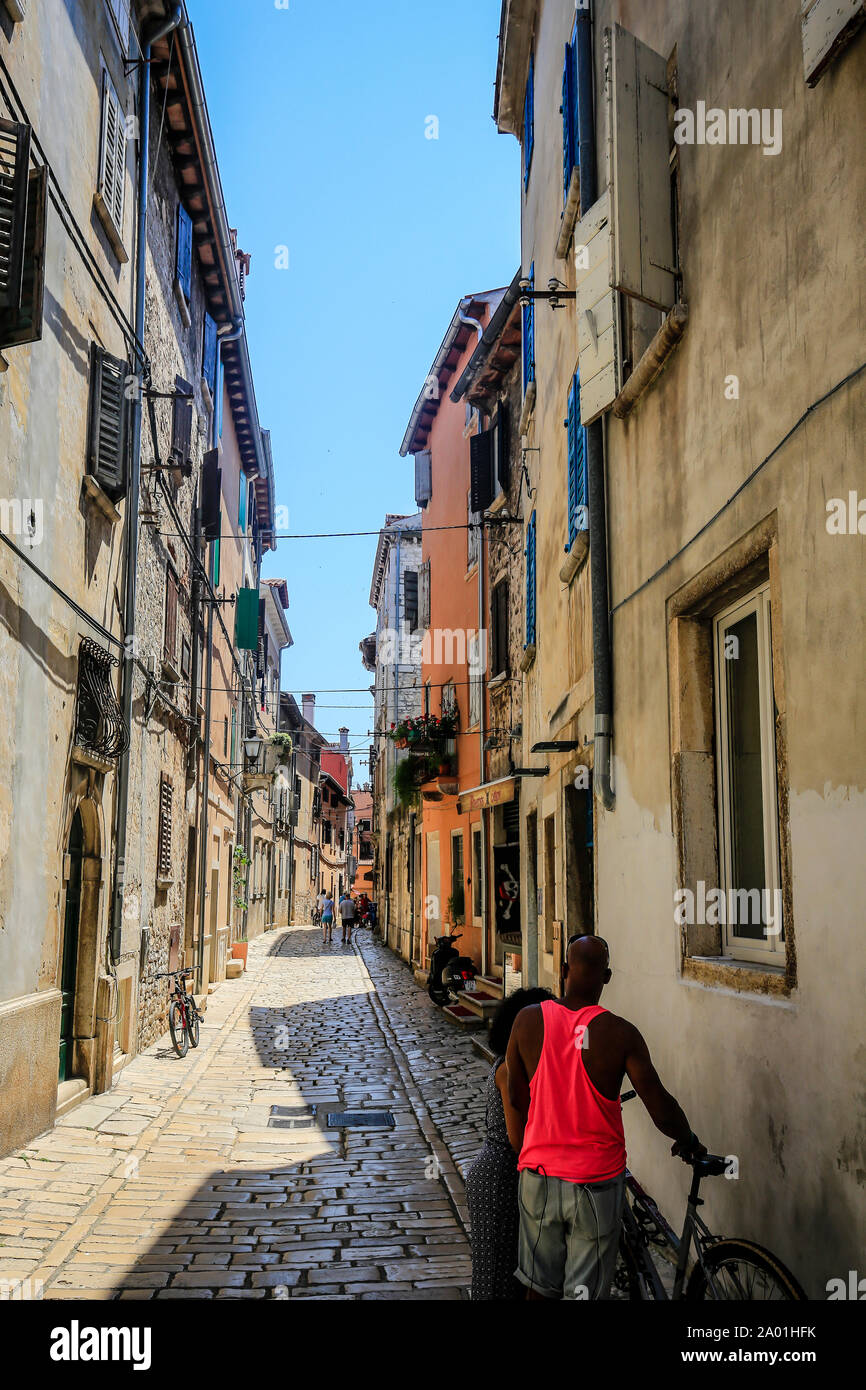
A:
(555, 293)
(253, 745)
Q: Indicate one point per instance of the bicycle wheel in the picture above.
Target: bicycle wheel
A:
(192, 1022)
(177, 1028)
(625, 1277)
(743, 1272)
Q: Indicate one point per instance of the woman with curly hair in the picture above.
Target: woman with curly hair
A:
(491, 1183)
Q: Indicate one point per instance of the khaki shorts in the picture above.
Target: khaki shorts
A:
(569, 1235)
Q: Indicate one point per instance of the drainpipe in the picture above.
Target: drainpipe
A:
(601, 644)
(482, 768)
(148, 39)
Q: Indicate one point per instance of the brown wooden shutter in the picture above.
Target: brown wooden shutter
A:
(109, 421)
(14, 178)
(481, 471)
(503, 446)
(211, 496)
(500, 628)
(410, 599)
(181, 421)
(170, 631)
(23, 323)
(163, 841)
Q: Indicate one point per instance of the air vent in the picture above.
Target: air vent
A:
(360, 1119)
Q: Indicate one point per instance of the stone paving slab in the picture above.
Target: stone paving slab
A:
(173, 1185)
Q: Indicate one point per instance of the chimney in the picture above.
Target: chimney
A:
(344, 740)
(308, 708)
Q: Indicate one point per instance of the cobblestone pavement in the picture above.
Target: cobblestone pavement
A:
(173, 1185)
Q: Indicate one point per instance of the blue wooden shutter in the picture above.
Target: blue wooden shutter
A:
(576, 465)
(529, 334)
(571, 424)
(209, 353)
(219, 396)
(530, 582)
(529, 120)
(184, 251)
(242, 506)
(569, 106)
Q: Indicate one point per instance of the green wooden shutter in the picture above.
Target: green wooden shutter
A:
(247, 620)
(109, 422)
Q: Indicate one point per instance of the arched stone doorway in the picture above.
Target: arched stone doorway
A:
(82, 949)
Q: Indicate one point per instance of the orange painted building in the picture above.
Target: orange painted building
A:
(452, 602)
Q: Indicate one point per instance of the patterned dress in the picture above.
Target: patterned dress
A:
(491, 1191)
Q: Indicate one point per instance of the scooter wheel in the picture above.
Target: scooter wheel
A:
(439, 996)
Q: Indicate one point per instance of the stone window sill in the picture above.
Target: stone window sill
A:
(528, 656)
(528, 407)
(84, 758)
(569, 216)
(111, 231)
(498, 681)
(574, 560)
(182, 305)
(746, 977)
(100, 501)
(163, 883)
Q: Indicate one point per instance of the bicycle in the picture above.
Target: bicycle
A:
(724, 1269)
(183, 1015)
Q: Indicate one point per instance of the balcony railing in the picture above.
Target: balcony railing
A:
(99, 726)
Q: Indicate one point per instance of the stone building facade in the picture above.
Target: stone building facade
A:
(393, 656)
(64, 538)
(722, 398)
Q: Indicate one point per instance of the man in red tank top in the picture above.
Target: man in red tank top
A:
(566, 1062)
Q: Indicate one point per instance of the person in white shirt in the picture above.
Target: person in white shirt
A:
(347, 912)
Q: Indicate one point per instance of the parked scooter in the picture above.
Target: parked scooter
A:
(450, 973)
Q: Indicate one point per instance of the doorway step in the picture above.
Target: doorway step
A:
(463, 1017)
(482, 1003)
(69, 1094)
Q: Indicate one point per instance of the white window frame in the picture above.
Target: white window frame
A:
(758, 602)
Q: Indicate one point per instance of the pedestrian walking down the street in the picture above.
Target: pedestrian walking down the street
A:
(566, 1061)
(328, 919)
(347, 913)
(491, 1183)
(318, 909)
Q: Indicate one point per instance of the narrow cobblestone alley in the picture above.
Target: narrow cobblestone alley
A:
(174, 1185)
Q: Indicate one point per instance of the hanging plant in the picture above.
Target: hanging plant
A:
(240, 864)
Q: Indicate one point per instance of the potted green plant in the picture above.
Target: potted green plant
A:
(240, 864)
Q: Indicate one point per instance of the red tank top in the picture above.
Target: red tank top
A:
(573, 1131)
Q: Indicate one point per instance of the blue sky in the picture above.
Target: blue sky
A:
(319, 114)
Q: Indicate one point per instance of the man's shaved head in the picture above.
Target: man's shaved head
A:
(587, 966)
